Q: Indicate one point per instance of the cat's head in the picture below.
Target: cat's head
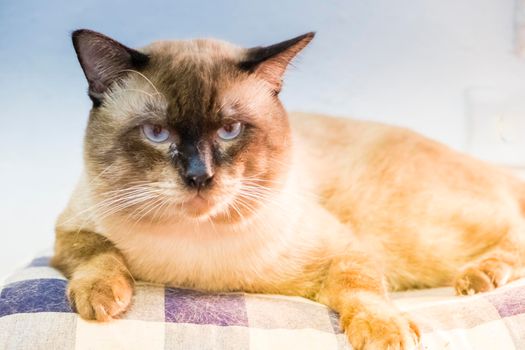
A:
(190, 129)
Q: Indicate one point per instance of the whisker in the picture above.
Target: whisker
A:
(96, 206)
(124, 266)
(136, 90)
(143, 76)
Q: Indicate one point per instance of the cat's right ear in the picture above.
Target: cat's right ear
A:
(104, 60)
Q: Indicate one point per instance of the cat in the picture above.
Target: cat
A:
(196, 176)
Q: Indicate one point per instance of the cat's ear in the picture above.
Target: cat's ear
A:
(104, 60)
(270, 62)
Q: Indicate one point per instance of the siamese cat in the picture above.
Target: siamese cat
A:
(195, 176)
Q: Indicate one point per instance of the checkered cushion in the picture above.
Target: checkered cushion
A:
(34, 314)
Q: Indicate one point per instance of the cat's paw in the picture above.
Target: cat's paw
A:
(100, 296)
(482, 277)
(379, 329)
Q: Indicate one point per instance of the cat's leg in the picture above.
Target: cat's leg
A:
(100, 285)
(355, 288)
(490, 271)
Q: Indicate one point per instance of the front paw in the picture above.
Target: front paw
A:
(100, 296)
(379, 326)
(483, 276)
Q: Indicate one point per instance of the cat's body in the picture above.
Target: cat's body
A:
(332, 207)
(420, 207)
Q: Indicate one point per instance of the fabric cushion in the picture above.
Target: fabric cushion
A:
(35, 314)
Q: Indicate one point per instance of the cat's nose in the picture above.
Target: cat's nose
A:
(197, 167)
(198, 179)
(198, 173)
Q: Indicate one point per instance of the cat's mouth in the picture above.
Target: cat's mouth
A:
(205, 206)
(199, 200)
(198, 205)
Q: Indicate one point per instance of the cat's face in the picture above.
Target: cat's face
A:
(185, 129)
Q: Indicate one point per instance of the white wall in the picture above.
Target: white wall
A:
(403, 62)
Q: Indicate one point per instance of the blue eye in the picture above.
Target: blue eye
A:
(155, 133)
(230, 131)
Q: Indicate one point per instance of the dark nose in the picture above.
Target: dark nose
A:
(198, 179)
(198, 174)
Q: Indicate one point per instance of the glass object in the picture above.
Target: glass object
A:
(496, 126)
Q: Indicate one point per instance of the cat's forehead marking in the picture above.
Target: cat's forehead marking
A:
(133, 97)
(192, 84)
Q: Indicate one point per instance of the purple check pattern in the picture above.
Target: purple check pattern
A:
(33, 301)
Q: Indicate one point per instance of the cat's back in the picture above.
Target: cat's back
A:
(347, 148)
(399, 189)
(318, 130)
(340, 150)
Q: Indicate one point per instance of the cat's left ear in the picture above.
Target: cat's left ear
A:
(270, 62)
(104, 60)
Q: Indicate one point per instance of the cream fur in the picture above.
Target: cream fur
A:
(411, 212)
